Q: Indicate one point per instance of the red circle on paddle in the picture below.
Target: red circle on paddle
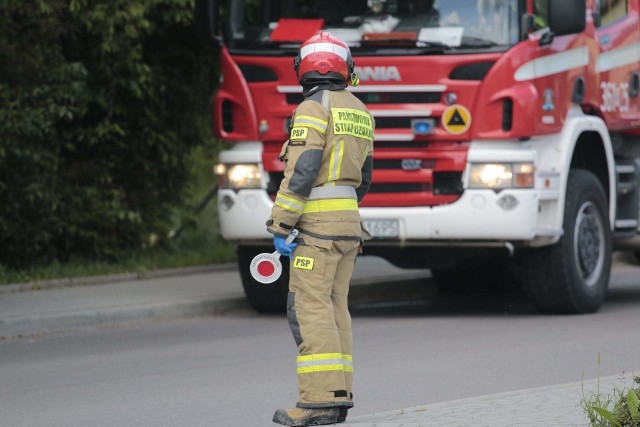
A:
(266, 268)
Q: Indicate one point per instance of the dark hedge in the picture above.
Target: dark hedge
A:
(101, 104)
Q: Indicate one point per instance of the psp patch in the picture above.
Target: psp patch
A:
(303, 263)
(299, 134)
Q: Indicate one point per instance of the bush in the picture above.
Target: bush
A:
(101, 105)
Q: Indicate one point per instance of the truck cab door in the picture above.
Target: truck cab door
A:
(617, 64)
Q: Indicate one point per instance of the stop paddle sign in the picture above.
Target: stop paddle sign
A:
(266, 267)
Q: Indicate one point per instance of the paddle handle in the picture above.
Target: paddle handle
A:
(291, 237)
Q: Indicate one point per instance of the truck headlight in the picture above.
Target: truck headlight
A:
(238, 176)
(501, 175)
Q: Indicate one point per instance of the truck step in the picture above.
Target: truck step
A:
(628, 205)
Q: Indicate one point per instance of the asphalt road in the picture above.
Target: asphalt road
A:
(235, 370)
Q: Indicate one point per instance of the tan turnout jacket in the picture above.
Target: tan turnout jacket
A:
(328, 168)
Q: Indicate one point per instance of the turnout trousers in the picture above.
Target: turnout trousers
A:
(318, 314)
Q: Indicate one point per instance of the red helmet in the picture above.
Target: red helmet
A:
(322, 54)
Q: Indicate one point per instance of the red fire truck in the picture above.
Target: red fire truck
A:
(507, 144)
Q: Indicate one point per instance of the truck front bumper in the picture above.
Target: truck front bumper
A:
(478, 215)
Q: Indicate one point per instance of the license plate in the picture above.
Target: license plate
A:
(382, 228)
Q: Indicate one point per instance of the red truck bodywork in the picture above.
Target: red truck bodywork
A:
(578, 89)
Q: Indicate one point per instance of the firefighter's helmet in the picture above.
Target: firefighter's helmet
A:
(325, 56)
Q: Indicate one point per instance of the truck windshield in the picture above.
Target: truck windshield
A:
(445, 25)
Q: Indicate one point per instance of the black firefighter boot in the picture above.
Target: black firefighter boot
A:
(298, 417)
(342, 416)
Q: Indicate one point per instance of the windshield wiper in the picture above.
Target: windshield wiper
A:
(470, 41)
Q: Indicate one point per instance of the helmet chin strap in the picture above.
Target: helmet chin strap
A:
(355, 80)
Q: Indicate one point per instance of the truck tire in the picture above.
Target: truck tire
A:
(265, 298)
(572, 276)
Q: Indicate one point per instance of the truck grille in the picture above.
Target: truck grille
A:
(399, 188)
(423, 187)
(398, 122)
(415, 171)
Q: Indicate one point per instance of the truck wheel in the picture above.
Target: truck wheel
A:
(572, 276)
(265, 298)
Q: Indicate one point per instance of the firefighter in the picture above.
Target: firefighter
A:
(328, 167)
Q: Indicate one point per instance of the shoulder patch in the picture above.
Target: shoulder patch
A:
(298, 134)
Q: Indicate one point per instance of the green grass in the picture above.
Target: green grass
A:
(199, 242)
(620, 409)
(138, 262)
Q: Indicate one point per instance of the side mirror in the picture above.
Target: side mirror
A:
(206, 18)
(567, 16)
(597, 21)
(526, 24)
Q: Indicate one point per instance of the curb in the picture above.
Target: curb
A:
(620, 257)
(83, 319)
(36, 325)
(553, 405)
(113, 278)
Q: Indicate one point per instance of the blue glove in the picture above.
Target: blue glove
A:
(282, 247)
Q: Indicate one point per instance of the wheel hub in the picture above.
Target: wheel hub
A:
(589, 243)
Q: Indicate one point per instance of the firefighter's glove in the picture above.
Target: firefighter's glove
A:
(282, 247)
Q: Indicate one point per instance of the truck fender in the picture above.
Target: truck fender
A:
(575, 125)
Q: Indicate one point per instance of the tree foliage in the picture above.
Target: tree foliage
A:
(101, 104)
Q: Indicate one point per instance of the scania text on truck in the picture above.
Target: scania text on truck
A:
(507, 144)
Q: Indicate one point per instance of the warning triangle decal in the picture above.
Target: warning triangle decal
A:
(456, 119)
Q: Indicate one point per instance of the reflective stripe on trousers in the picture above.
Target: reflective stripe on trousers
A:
(325, 362)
